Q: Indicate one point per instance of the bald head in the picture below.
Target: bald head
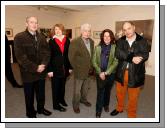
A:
(128, 29)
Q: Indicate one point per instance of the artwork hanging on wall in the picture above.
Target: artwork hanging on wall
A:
(68, 33)
(143, 28)
(96, 34)
(46, 32)
(9, 32)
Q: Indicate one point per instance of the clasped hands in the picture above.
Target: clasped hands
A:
(41, 68)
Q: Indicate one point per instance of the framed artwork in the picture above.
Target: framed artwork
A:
(9, 32)
(143, 28)
(96, 34)
(68, 33)
(46, 32)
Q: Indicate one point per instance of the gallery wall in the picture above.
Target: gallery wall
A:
(100, 18)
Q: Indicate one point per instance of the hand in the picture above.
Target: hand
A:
(102, 76)
(50, 74)
(41, 68)
(70, 71)
(137, 59)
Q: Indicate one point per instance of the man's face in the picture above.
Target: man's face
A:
(129, 30)
(86, 33)
(32, 24)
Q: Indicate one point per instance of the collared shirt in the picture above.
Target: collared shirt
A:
(87, 44)
(130, 44)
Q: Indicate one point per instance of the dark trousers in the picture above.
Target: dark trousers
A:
(103, 91)
(30, 88)
(58, 90)
(9, 74)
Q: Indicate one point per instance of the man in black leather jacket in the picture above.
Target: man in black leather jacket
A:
(132, 52)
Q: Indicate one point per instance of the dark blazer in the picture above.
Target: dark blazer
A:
(80, 58)
(59, 62)
(28, 57)
(125, 53)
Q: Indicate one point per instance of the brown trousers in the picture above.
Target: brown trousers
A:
(133, 94)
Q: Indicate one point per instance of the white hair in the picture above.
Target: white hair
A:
(85, 26)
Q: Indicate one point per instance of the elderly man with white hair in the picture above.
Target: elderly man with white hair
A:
(80, 55)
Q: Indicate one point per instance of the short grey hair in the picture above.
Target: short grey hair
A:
(85, 26)
(27, 18)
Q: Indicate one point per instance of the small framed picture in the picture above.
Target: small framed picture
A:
(9, 32)
(96, 34)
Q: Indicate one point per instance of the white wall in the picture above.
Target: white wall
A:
(100, 18)
(105, 17)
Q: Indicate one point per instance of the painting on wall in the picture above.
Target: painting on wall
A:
(46, 32)
(68, 33)
(143, 28)
(96, 34)
(9, 32)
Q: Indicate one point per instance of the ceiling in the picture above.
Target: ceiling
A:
(73, 8)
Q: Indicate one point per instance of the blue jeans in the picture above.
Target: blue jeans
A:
(103, 91)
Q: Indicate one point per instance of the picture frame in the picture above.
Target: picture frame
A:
(68, 33)
(96, 34)
(46, 32)
(9, 32)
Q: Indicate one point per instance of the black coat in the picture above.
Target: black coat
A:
(59, 62)
(124, 53)
(29, 57)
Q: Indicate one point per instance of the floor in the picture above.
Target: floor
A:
(15, 105)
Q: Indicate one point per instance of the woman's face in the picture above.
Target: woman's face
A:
(58, 31)
(106, 37)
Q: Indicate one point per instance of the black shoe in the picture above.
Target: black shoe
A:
(98, 114)
(45, 112)
(64, 104)
(115, 112)
(18, 86)
(60, 108)
(31, 116)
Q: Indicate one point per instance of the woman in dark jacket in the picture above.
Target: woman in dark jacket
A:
(59, 67)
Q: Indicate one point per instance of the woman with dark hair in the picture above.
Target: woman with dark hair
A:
(105, 64)
(59, 67)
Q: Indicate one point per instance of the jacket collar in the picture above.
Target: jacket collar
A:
(138, 37)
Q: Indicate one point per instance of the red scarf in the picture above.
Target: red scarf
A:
(61, 44)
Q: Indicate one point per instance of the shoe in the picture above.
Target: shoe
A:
(115, 112)
(88, 104)
(31, 116)
(60, 108)
(18, 86)
(76, 110)
(45, 112)
(106, 109)
(64, 104)
(98, 114)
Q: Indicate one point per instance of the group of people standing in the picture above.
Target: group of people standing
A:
(122, 61)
